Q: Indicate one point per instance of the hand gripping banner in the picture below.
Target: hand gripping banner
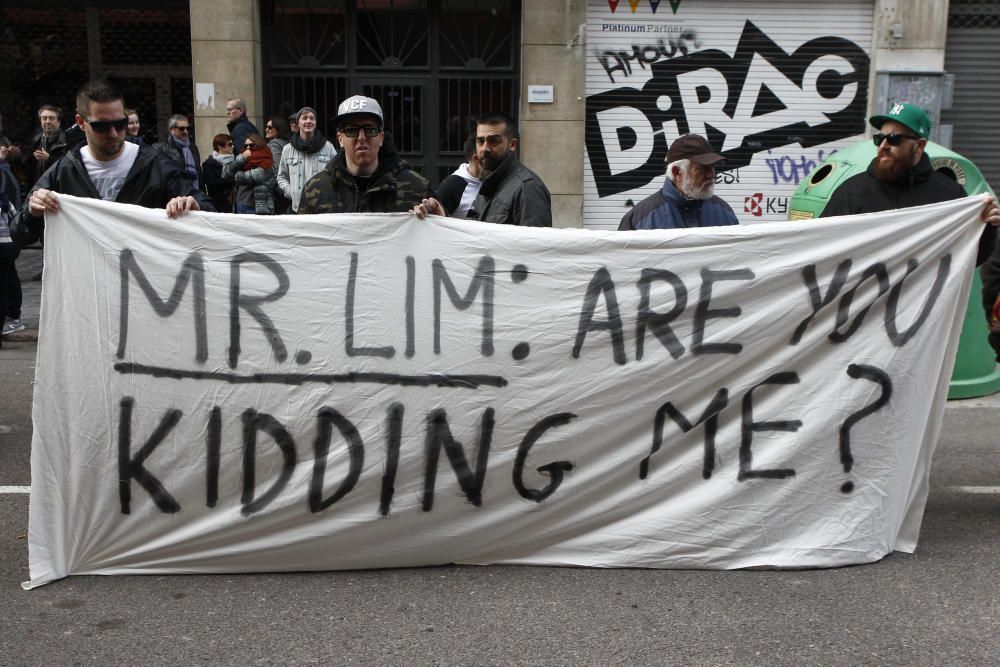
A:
(224, 393)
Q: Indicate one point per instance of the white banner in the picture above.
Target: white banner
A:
(222, 393)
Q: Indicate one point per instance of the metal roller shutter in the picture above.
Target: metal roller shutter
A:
(775, 86)
(971, 55)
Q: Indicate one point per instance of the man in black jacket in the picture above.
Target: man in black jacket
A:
(107, 167)
(48, 145)
(901, 174)
(180, 147)
(239, 125)
(511, 194)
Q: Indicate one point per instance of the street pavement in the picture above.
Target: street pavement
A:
(938, 606)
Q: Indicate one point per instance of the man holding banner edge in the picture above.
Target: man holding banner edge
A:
(107, 167)
(901, 175)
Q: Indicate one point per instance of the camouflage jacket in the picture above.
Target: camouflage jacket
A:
(395, 188)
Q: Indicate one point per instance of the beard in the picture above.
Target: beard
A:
(890, 168)
(691, 191)
(489, 163)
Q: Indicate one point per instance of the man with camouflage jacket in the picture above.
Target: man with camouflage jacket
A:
(366, 175)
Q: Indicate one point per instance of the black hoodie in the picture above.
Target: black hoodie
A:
(920, 185)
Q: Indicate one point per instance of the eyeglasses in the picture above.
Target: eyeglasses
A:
(248, 146)
(894, 139)
(352, 131)
(269, 127)
(104, 126)
(229, 143)
(181, 128)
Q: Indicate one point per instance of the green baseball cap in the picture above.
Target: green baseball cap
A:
(907, 114)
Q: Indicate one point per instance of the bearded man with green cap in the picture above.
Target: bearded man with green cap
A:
(901, 174)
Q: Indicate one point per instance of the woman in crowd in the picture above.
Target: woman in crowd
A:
(132, 131)
(307, 154)
(276, 132)
(220, 187)
(253, 171)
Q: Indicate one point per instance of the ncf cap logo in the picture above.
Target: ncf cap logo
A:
(360, 104)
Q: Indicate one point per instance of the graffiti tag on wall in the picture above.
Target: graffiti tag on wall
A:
(759, 98)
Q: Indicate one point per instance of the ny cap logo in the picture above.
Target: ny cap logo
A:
(896, 110)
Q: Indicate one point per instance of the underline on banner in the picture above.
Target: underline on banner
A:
(472, 381)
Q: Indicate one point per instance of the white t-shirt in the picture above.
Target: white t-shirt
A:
(472, 187)
(109, 177)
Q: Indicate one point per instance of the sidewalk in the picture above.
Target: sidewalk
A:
(29, 264)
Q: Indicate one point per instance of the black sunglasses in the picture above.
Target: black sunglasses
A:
(248, 146)
(894, 139)
(104, 126)
(352, 131)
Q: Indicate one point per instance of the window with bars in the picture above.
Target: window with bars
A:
(144, 46)
(974, 14)
(433, 65)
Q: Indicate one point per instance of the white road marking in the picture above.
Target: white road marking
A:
(975, 489)
(15, 489)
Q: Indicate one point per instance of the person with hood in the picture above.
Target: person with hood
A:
(307, 153)
(457, 192)
(239, 125)
(366, 175)
(253, 171)
(220, 187)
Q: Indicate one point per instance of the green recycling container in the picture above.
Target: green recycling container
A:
(976, 371)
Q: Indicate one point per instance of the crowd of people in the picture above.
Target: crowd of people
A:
(290, 168)
(293, 168)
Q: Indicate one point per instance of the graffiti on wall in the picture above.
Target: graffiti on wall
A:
(760, 98)
(682, 42)
(793, 168)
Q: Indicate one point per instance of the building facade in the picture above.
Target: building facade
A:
(600, 87)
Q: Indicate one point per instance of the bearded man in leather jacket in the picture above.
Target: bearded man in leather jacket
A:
(511, 194)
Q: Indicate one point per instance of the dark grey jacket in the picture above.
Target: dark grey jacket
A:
(172, 150)
(513, 195)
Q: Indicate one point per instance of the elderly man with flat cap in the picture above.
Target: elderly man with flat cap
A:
(687, 197)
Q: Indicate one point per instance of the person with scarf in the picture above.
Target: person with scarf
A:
(182, 150)
(307, 153)
(220, 188)
(253, 171)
